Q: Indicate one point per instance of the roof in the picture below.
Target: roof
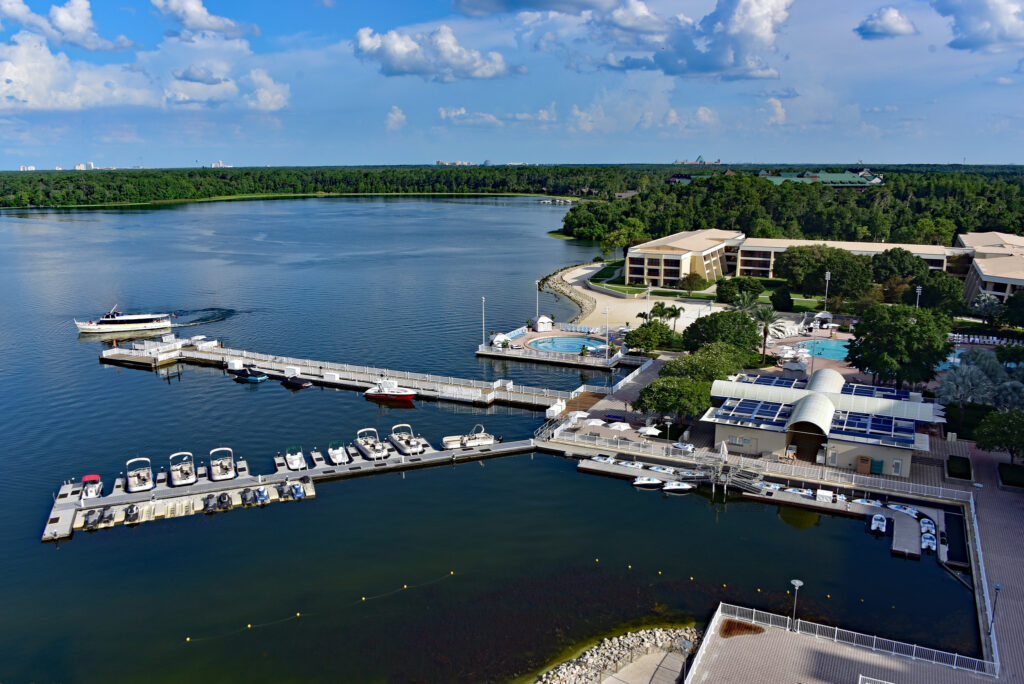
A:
(930, 250)
(815, 409)
(990, 239)
(1010, 267)
(544, 319)
(689, 241)
(826, 380)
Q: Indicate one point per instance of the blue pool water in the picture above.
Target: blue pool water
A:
(567, 344)
(836, 350)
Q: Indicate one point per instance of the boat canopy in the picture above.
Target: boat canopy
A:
(90, 478)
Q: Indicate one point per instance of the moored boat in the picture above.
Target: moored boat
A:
(139, 475)
(902, 508)
(664, 470)
(476, 437)
(183, 470)
(633, 464)
(603, 459)
(389, 390)
(248, 374)
(875, 503)
(338, 454)
(927, 526)
(294, 459)
(92, 487)
(115, 321)
(405, 441)
(262, 495)
(677, 487)
(645, 482)
(801, 491)
(878, 523)
(369, 444)
(222, 464)
(294, 382)
(927, 542)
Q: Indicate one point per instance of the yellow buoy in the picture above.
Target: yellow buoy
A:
(691, 578)
(629, 567)
(659, 572)
(452, 572)
(759, 590)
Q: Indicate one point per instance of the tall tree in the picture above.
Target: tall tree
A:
(715, 361)
(684, 397)
(672, 313)
(1002, 431)
(897, 263)
(768, 323)
(986, 306)
(1013, 313)
(746, 302)
(962, 385)
(732, 327)
(938, 291)
(691, 282)
(899, 343)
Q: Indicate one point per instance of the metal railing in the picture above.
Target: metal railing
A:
(632, 376)
(591, 360)
(987, 603)
(866, 641)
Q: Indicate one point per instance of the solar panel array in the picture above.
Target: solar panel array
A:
(771, 380)
(876, 392)
(884, 429)
(766, 413)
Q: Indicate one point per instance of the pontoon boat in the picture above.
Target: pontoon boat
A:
(294, 459)
(405, 441)
(139, 472)
(222, 464)
(183, 470)
(369, 444)
(477, 437)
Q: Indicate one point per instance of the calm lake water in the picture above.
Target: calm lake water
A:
(541, 556)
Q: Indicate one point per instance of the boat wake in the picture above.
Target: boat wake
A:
(187, 319)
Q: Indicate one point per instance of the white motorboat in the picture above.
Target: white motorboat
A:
(183, 469)
(909, 510)
(868, 502)
(801, 491)
(927, 542)
(603, 459)
(389, 390)
(294, 459)
(476, 437)
(405, 441)
(664, 470)
(92, 487)
(139, 475)
(633, 464)
(691, 473)
(648, 483)
(115, 321)
(338, 454)
(677, 487)
(222, 464)
(927, 526)
(774, 486)
(369, 444)
(878, 523)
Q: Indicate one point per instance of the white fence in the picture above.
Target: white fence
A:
(865, 641)
(595, 359)
(632, 376)
(983, 579)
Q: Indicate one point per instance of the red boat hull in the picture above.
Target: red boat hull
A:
(387, 396)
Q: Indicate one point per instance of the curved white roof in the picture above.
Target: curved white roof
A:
(544, 319)
(815, 409)
(826, 380)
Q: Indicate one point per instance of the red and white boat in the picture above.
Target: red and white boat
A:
(389, 389)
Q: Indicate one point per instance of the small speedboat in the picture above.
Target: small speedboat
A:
(294, 459)
(369, 444)
(476, 437)
(664, 470)
(603, 459)
(868, 502)
(262, 495)
(902, 508)
(633, 464)
(647, 483)
(92, 487)
(248, 374)
(222, 464)
(139, 473)
(927, 542)
(389, 390)
(294, 382)
(774, 486)
(405, 441)
(927, 526)
(800, 490)
(677, 487)
(183, 470)
(338, 454)
(878, 523)
(115, 321)
(691, 473)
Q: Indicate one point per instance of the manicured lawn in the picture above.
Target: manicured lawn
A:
(1012, 475)
(959, 467)
(973, 413)
(608, 271)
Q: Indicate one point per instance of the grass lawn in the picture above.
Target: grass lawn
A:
(1012, 475)
(959, 467)
(609, 270)
(973, 413)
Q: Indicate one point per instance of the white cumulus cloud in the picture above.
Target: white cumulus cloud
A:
(886, 22)
(437, 55)
(635, 15)
(479, 8)
(983, 24)
(268, 96)
(549, 115)
(69, 23)
(395, 118)
(459, 116)
(194, 16)
(776, 112)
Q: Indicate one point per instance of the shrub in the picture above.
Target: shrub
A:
(959, 467)
(782, 300)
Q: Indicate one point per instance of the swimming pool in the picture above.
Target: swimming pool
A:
(565, 344)
(836, 350)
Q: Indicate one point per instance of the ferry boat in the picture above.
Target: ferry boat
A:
(677, 487)
(183, 470)
(294, 459)
(139, 473)
(369, 444)
(92, 487)
(115, 321)
(405, 441)
(389, 390)
(338, 454)
(222, 464)
(476, 437)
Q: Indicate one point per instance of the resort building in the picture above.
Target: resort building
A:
(757, 255)
(823, 420)
(854, 178)
(998, 267)
(709, 253)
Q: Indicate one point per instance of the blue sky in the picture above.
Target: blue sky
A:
(303, 82)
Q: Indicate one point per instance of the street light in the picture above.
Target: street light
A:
(828, 277)
(483, 320)
(668, 428)
(917, 304)
(537, 315)
(995, 602)
(796, 584)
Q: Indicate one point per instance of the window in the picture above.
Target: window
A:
(733, 439)
(897, 467)
(832, 457)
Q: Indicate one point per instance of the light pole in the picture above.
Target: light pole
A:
(607, 334)
(537, 315)
(917, 304)
(483, 320)
(828, 277)
(668, 428)
(995, 602)
(796, 585)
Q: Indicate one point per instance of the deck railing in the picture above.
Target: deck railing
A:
(632, 376)
(596, 359)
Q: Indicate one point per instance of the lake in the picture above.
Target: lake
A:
(479, 572)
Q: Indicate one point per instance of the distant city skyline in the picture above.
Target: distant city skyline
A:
(178, 83)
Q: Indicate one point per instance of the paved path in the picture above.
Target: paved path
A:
(653, 668)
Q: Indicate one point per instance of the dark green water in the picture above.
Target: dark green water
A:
(395, 283)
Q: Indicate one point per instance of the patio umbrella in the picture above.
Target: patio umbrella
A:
(594, 421)
(576, 415)
(620, 426)
(650, 430)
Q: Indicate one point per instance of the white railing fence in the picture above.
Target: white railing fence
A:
(632, 376)
(983, 579)
(595, 359)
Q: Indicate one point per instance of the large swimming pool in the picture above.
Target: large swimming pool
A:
(566, 344)
(836, 350)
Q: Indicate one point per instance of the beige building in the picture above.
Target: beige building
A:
(709, 253)
(757, 255)
(824, 420)
(998, 267)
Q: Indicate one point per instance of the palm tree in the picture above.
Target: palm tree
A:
(769, 323)
(963, 384)
(746, 302)
(659, 310)
(672, 313)
(644, 315)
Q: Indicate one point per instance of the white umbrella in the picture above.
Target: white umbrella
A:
(723, 449)
(576, 415)
(594, 421)
(620, 426)
(650, 430)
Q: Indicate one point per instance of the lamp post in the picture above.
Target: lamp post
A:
(483, 320)
(828, 277)
(796, 585)
(607, 334)
(668, 428)
(537, 315)
(995, 603)
(917, 304)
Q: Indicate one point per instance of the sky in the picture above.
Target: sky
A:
(178, 83)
